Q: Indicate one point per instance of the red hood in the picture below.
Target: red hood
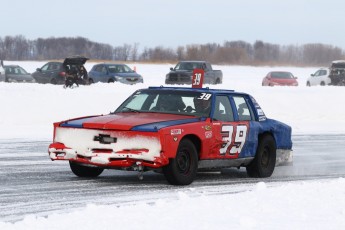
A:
(123, 121)
(284, 81)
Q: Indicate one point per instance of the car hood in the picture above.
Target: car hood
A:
(181, 71)
(283, 80)
(130, 121)
(134, 74)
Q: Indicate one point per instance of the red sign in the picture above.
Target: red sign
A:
(198, 78)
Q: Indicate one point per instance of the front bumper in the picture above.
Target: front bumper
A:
(127, 151)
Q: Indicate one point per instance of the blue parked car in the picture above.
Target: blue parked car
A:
(114, 73)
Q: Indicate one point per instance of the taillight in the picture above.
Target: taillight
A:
(62, 74)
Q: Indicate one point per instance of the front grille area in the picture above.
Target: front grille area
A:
(83, 143)
(176, 77)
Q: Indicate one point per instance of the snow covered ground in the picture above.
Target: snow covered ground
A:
(28, 111)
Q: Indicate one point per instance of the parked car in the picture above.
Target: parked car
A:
(2, 71)
(51, 72)
(320, 77)
(281, 78)
(337, 73)
(15, 73)
(109, 73)
(176, 131)
(57, 72)
(182, 73)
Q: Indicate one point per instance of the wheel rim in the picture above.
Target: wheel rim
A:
(265, 158)
(183, 162)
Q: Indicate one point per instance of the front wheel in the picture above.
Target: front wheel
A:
(265, 158)
(182, 169)
(85, 171)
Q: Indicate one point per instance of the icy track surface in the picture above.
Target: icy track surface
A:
(37, 192)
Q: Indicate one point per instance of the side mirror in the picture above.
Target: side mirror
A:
(171, 68)
(312, 75)
(39, 69)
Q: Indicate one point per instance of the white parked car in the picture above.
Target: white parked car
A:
(320, 77)
(2, 72)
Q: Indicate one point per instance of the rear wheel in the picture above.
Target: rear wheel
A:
(53, 81)
(265, 158)
(182, 169)
(84, 171)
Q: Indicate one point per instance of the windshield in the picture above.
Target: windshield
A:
(282, 75)
(189, 65)
(168, 101)
(119, 69)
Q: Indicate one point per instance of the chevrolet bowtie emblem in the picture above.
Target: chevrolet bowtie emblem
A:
(105, 139)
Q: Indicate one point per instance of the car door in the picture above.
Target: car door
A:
(230, 130)
(316, 78)
(100, 74)
(42, 74)
(208, 74)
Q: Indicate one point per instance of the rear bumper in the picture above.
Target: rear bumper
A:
(284, 157)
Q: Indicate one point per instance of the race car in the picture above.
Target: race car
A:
(176, 131)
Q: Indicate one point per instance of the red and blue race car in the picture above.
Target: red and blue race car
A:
(177, 131)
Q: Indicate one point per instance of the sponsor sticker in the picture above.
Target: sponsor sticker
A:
(208, 134)
(176, 132)
(208, 127)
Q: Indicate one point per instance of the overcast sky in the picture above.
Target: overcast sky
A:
(178, 22)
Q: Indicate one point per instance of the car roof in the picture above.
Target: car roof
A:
(194, 61)
(75, 60)
(338, 61)
(280, 72)
(111, 64)
(190, 89)
(11, 66)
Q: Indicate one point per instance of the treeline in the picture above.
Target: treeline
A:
(230, 52)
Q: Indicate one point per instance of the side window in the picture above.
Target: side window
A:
(243, 111)
(45, 67)
(52, 67)
(222, 109)
(104, 70)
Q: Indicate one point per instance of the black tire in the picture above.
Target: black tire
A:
(322, 83)
(111, 81)
(265, 158)
(53, 81)
(91, 81)
(84, 171)
(308, 83)
(183, 168)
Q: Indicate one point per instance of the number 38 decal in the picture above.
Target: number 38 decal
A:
(233, 138)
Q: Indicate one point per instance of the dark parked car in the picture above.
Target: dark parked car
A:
(15, 73)
(114, 73)
(282, 78)
(51, 72)
(57, 72)
(337, 73)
